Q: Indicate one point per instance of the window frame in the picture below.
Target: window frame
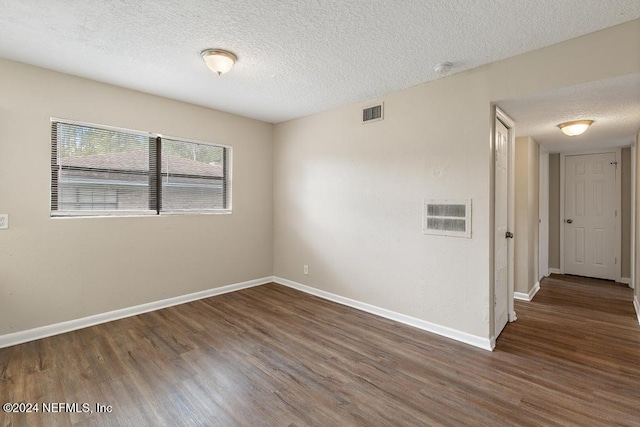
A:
(155, 176)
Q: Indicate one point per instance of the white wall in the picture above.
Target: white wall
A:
(53, 270)
(347, 196)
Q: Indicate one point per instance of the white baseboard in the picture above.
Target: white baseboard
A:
(527, 297)
(72, 325)
(444, 331)
(626, 280)
(554, 270)
(521, 296)
(636, 304)
(15, 338)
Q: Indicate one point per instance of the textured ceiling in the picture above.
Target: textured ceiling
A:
(613, 104)
(296, 57)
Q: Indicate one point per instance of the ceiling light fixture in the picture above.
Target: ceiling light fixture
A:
(443, 67)
(218, 60)
(575, 128)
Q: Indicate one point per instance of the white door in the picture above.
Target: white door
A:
(501, 247)
(589, 215)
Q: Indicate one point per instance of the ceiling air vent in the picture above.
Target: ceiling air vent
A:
(372, 114)
(447, 217)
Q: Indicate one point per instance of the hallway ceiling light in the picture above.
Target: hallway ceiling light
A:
(218, 60)
(575, 128)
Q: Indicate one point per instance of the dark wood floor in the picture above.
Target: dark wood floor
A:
(274, 356)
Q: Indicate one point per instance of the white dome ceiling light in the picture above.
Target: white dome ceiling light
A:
(575, 128)
(443, 67)
(219, 61)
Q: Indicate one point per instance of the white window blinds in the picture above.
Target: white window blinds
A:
(104, 171)
(193, 176)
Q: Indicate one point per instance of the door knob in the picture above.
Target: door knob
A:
(509, 235)
(569, 221)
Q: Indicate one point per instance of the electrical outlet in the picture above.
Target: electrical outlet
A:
(4, 221)
(305, 269)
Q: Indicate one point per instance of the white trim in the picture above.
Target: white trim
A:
(562, 172)
(618, 236)
(636, 304)
(618, 194)
(72, 325)
(554, 270)
(195, 212)
(444, 331)
(512, 209)
(527, 297)
(498, 114)
(632, 257)
(543, 214)
(626, 280)
(102, 214)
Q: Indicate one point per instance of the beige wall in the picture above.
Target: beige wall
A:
(554, 211)
(626, 213)
(347, 196)
(637, 239)
(527, 167)
(534, 213)
(53, 270)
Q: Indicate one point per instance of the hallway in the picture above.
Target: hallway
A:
(581, 339)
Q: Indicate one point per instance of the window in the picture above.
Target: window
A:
(98, 170)
(192, 176)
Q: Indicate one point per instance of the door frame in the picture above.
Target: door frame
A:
(618, 231)
(543, 215)
(498, 114)
(634, 171)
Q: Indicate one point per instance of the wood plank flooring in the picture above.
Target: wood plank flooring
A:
(274, 356)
